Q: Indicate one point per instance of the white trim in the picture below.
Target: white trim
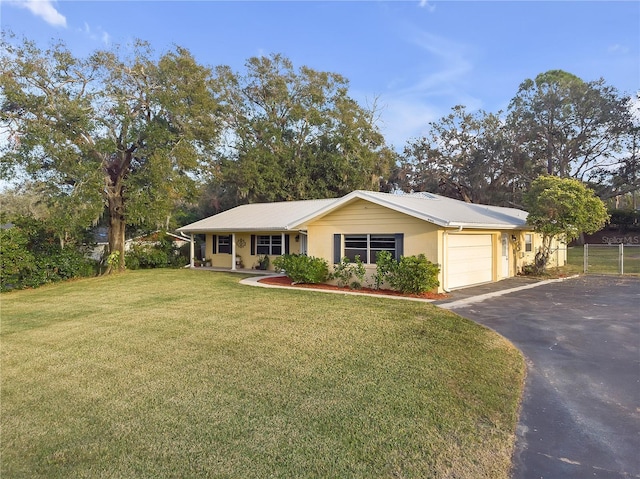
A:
(233, 251)
(192, 252)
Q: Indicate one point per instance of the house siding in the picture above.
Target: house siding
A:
(557, 258)
(362, 217)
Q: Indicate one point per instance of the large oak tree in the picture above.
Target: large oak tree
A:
(122, 131)
(294, 134)
(572, 128)
(464, 156)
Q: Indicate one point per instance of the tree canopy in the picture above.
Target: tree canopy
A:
(294, 134)
(562, 208)
(573, 128)
(557, 124)
(115, 132)
(464, 156)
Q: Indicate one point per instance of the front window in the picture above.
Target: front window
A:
(367, 246)
(224, 244)
(269, 244)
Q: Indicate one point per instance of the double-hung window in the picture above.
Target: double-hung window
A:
(367, 246)
(221, 244)
(224, 244)
(528, 242)
(269, 244)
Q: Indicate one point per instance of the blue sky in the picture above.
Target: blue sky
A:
(417, 59)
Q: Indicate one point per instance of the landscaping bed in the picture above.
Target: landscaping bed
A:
(286, 281)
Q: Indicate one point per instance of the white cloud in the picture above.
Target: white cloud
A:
(617, 48)
(97, 34)
(427, 5)
(452, 57)
(44, 9)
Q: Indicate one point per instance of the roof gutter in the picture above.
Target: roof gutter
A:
(485, 226)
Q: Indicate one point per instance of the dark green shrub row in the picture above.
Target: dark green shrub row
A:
(625, 220)
(31, 255)
(302, 269)
(412, 274)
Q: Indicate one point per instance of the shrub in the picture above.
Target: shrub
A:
(415, 274)
(31, 255)
(344, 271)
(412, 274)
(385, 266)
(624, 220)
(162, 254)
(302, 269)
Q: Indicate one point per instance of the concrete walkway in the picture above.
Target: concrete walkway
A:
(461, 298)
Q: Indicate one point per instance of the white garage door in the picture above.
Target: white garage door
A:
(469, 260)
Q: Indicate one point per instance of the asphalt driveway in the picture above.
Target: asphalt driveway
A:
(580, 415)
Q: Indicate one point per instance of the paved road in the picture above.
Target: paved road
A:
(581, 408)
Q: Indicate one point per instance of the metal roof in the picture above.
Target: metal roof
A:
(294, 215)
(257, 217)
(433, 208)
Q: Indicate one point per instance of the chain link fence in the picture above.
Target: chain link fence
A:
(607, 258)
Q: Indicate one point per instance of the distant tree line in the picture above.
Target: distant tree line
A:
(131, 139)
(556, 125)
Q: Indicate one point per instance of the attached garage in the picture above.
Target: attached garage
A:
(469, 260)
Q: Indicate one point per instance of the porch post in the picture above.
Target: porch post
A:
(233, 251)
(192, 252)
(282, 244)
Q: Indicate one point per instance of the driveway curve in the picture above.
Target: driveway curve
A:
(580, 415)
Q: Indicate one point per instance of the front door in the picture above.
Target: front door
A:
(505, 255)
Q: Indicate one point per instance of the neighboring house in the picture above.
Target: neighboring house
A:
(471, 243)
(152, 239)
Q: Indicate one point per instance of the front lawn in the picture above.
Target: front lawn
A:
(182, 373)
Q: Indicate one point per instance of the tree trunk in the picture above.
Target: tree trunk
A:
(117, 226)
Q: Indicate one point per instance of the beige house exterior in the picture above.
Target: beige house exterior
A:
(471, 243)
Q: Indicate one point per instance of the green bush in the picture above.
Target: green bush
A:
(31, 255)
(415, 274)
(411, 275)
(302, 268)
(162, 254)
(344, 272)
(385, 266)
(624, 220)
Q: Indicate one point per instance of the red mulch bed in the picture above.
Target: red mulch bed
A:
(285, 281)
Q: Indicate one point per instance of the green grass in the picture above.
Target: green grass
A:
(178, 373)
(605, 259)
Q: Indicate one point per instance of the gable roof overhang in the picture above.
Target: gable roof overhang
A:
(435, 209)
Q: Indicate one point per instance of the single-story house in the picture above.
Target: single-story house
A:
(471, 243)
